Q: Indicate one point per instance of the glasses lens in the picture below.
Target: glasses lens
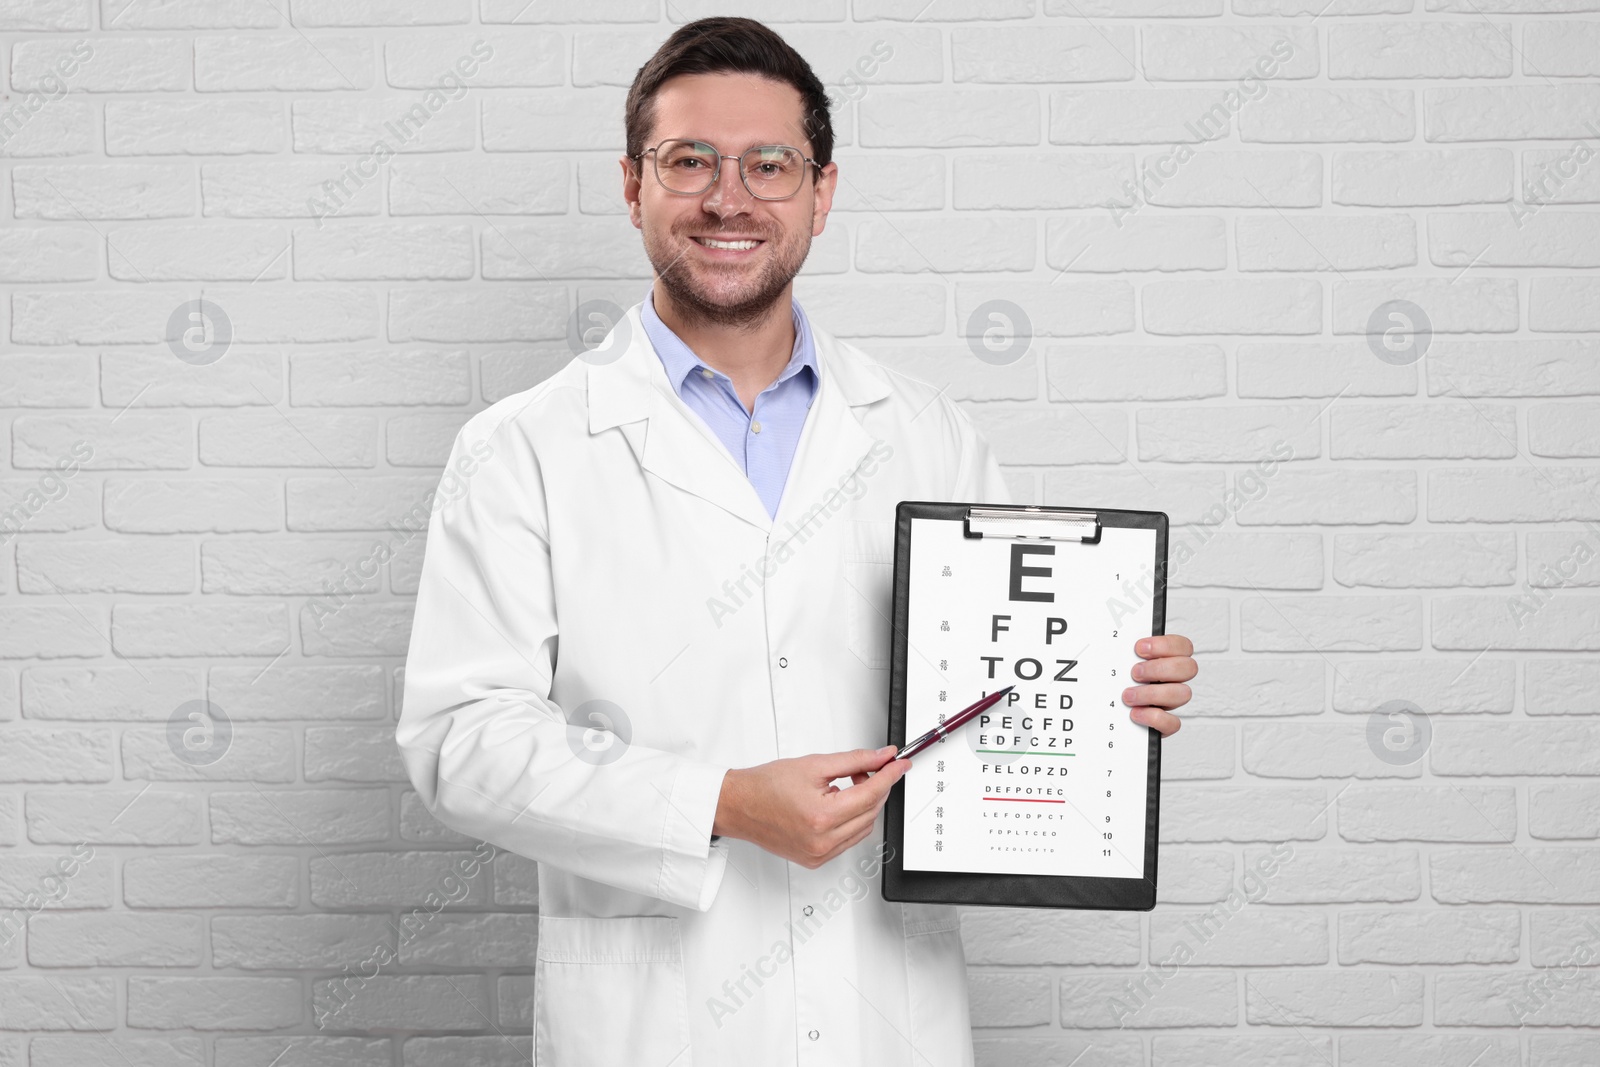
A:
(773, 171)
(686, 166)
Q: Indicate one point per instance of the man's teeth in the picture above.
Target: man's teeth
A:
(738, 245)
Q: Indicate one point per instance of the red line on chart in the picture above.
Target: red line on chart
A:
(1026, 800)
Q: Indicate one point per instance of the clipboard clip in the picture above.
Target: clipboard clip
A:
(1048, 524)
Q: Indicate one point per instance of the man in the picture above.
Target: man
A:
(650, 629)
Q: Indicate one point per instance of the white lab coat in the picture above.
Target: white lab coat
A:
(590, 528)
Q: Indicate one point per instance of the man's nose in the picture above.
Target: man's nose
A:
(728, 191)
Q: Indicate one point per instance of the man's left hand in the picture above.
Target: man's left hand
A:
(1168, 662)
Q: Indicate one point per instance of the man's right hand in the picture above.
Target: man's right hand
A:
(788, 808)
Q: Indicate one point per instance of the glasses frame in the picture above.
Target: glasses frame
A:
(716, 172)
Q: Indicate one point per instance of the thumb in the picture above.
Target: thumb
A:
(831, 765)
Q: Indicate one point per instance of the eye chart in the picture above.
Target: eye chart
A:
(1051, 794)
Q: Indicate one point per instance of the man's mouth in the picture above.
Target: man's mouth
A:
(742, 245)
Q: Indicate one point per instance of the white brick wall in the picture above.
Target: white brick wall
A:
(1198, 205)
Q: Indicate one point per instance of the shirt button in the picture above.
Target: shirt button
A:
(705, 372)
(806, 910)
(756, 426)
(813, 1035)
(783, 661)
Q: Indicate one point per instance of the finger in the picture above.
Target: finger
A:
(846, 831)
(870, 795)
(1163, 722)
(884, 779)
(1162, 695)
(1165, 669)
(855, 830)
(830, 765)
(855, 839)
(1163, 645)
(855, 779)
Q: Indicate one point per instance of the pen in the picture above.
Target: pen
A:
(962, 716)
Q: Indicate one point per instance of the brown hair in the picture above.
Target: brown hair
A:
(728, 44)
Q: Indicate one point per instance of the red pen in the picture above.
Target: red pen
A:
(963, 716)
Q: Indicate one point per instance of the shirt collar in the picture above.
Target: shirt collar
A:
(680, 361)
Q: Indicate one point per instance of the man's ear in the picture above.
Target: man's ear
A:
(822, 196)
(630, 191)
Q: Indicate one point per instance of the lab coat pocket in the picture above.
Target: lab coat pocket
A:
(869, 570)
(936, 981)
(610, 991)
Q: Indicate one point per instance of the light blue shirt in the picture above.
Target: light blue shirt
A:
(763, 440)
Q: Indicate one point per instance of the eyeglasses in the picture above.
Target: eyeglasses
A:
(769, 171)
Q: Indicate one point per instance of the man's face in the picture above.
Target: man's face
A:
(733, 112)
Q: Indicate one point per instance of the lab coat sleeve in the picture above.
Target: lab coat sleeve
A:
(488, 751)
(978, 478)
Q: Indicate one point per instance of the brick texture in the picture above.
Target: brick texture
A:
(1208, 210)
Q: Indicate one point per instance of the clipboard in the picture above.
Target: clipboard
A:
(1031, 804)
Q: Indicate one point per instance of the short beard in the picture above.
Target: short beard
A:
(748, 314)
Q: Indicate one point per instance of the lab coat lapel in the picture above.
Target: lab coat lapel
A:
(671, 441)
(833, 442)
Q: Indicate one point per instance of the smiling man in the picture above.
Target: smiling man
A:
(651, 623)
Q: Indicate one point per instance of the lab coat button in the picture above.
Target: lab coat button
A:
(806, 910)
(813, 1035)
(783, 661)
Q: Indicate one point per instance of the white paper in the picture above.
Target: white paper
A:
(1052, 780)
